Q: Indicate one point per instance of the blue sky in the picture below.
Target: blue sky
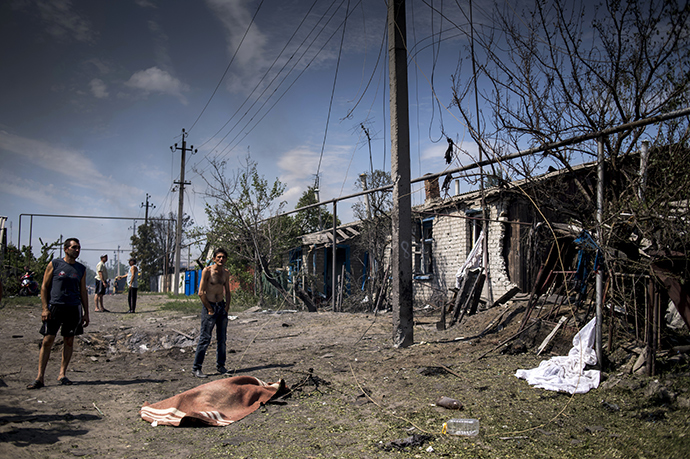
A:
(95, 93)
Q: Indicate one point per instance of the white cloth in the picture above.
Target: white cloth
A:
(568, 374)
(474, 260)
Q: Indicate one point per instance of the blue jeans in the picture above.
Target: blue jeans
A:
(219, 319)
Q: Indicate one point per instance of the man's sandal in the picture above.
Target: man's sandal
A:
(65, 382)
(35, 385)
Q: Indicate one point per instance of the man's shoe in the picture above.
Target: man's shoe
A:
(222, 371)
(198, 374)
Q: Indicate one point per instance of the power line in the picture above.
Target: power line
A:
(229, 64)
(335, 79)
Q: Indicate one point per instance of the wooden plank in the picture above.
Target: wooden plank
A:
(548, 339)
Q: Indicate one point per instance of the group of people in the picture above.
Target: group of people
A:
(102, 284)
(65, 307)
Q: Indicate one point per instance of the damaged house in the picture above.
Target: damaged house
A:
(446, 230)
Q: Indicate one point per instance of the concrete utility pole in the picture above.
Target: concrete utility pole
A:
(147, 205)
(401, 250)
(180, 208)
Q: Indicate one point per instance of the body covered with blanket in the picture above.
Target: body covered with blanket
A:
(217, 403)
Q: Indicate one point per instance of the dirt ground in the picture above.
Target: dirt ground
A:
(353, 394)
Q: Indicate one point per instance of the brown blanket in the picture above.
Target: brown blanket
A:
(217, 403)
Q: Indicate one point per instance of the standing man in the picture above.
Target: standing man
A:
(214, 291)
(132, 284)
(65, 304)
(101, 283)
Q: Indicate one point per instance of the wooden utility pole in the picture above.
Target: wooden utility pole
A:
(180, 208)
(147, 205)
(401, 247)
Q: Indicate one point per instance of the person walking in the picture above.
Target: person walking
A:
(214, 291)
(65, 305)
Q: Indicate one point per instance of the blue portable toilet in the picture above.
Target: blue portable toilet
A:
(189, 283)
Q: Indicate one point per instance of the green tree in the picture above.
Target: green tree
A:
(17, 261)
(243, 219)
(154, 246)
(315, 218)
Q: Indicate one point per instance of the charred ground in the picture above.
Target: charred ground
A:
(353, 394)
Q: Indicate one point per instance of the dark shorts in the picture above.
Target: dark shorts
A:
(100, 288)
(67, 317)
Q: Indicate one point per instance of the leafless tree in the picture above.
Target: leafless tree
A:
(560, 69)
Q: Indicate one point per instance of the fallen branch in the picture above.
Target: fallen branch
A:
(451, 371)
(183, 334)
(506, 341)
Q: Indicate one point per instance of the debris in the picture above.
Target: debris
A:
(547, 340)
(409, 442)
(507, 296)
(98, 409)
(183, 334)
(449, 403)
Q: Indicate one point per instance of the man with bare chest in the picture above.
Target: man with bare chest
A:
(214, 291)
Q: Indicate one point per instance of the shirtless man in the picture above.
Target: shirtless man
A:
(214, 291)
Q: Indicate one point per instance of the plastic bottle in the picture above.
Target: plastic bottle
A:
(466, 427)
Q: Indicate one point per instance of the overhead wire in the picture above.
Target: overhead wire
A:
(230, 146)
(335, 80)
(256, 87)
(229, 64)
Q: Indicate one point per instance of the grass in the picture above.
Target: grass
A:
(20, 300)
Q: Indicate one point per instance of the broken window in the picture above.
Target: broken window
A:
(423, 254)
(474, 227)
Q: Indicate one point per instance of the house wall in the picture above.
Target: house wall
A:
(451, 246)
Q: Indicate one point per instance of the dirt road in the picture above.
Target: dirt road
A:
(354, 395)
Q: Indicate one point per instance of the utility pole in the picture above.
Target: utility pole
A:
(147, 205)
(401, 250)
(182, 183)
(134, 234)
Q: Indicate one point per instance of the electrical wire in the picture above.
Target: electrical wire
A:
(330, 103)
(230, 146)
(229, 64)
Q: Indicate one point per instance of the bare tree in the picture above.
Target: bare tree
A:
(375, 231)
(567, 68)
(561, 69)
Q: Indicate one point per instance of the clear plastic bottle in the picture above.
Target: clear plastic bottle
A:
(465, 427)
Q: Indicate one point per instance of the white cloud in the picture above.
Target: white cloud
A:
(71, 172)
(27, 189)
(299, 169)
(156, 80)
(98, 88)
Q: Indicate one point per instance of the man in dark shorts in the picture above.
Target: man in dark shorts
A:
(101, 283)
(65, 305)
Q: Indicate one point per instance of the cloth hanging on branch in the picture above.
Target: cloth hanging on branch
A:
(474, 260)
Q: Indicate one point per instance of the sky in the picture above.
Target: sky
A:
(94, 94)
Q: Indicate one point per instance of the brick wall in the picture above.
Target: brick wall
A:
(451, 247)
